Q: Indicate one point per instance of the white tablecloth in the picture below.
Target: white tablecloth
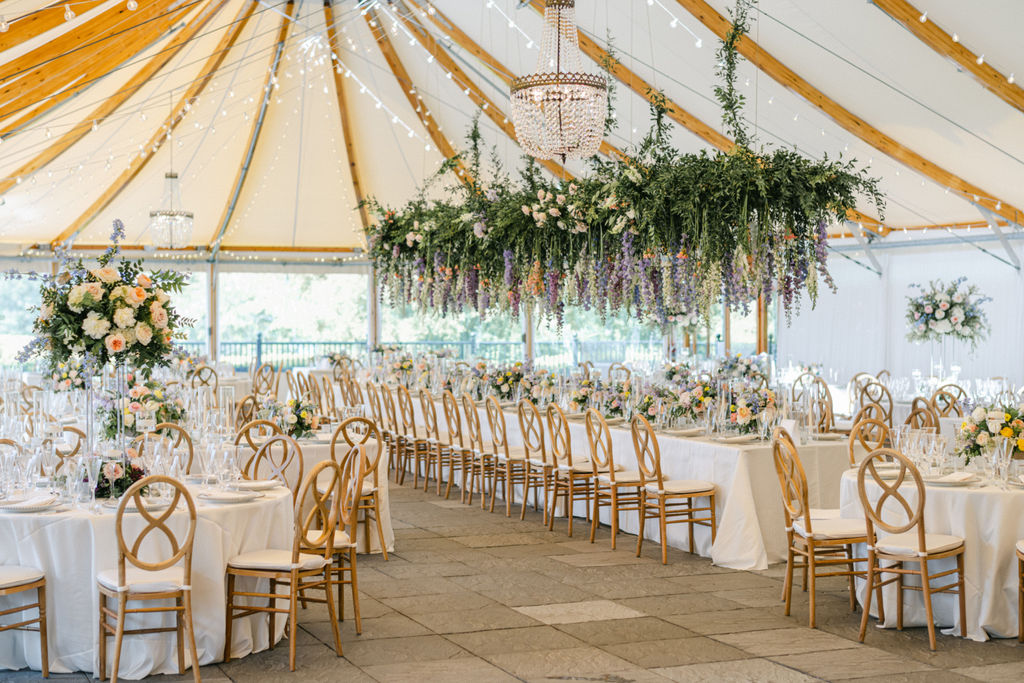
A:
(751, 526)
(72, 547)
(991, 521)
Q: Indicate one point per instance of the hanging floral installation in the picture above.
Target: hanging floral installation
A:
(652, 234)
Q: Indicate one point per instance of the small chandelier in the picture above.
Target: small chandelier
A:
(170, 226)
(559, 111)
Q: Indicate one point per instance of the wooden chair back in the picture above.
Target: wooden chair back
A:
(474, 435)
(922, 418)
(357, 431)
(273, 459)
(496, 421)
(256, 432)
(792, 480)
(205, 376)
(352, 470)
(801, 385)
(376, 414)
(75, 444)
(531, 426)
(877, 393)
(356, 393)
(947, 403)
(405, 410)
(388, 399)
(618, 372)
(129, 549)
(880, 513)
(452, 418)
(561, 439)
(870, 434)
(264, 380)
(648, 453)
(429, 411)
(316, 511)
(599, 438)
(246, 412)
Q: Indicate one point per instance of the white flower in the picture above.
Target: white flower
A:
(124, 317)
(982, 438)
(940, 314)
(143, 333)
(979, 414)
(958, 298)
(95, 325)
(106, 274)
(161, 296)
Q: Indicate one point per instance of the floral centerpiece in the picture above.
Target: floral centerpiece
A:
(182, 362)
(118, 474)
(504, 380)
(748, 405)
(616, 398)
(114, 312)
(947, 311)
(538, 385)
(144, 397)
(648, 406)
(297, 418)
(693, 400)
(401, 369)
(68, 375)
(984, 427)
(581, 396)
(810, 368)
(742, 367)
(676, 373)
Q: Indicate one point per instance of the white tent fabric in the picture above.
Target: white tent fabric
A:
(297, 190)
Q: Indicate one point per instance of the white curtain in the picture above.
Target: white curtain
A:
(862, 326)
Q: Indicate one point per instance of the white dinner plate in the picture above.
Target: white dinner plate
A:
(256, 485)
(693, 431)
(228, 497)
(742, 438)
(937, 481)
(26, 505)
(152, 505)
(200, 478)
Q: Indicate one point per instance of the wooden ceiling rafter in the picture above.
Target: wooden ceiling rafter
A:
(475, 94)
(139, 162)
(269, 83)
(112, 103)
(932, 35)
(675, 112)
(462, 39)
(38, 22)
(408, 88)
(769, 65)
(346, 123)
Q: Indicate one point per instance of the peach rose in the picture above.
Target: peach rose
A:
(135, 295)
(106, 274)
(113, 471)
(158, 315)
(115, 343)
(144, 281)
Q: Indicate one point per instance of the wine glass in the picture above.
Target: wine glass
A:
(93, 464)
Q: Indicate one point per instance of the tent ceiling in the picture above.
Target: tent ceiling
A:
(296, 190)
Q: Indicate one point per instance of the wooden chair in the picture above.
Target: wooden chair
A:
(906, 542)
(313, 392)
(668, 501)
(28, 391)
(947, 401)
(359, 431)
(883, 375)
(434, 438)
(877, 393)
(264, 381)
(328, 400)
(618, 372)
(205, 376)
(481, 460)
(619, 491)
(138, 580)
(356, 393)
(857, 383)
(870, 434)
(921, 418)
(76, 442)
(454, 454)
(540, 467)
(822, 415)
(801, 385)
(509, 463)
(1020, 591)
(254, 433)
(177, 437)
(301, 385)
(573, 476)
(305, 566)
(377, 415)
(15, 580)
(246, 411)
(272, 461)
(820, 543)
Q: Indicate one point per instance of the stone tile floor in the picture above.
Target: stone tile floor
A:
(474, 596)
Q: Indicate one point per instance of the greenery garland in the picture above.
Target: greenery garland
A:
(650, 233)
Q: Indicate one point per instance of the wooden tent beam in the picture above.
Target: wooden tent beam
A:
(257, 127)
(453, 33)
(346, 123)
(934, 37)
(63, 78)
(846, 119)
(476, 95)
(32, 24)
(408, 88)
(139, 162)
(675, 112)
(112, 103)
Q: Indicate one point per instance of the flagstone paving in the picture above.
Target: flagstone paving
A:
(470, 595)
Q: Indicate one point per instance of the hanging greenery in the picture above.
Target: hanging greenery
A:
(652, 233)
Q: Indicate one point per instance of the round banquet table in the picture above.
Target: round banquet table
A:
(72, 546)
(990, 521)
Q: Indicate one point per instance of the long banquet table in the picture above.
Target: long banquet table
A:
(72, 546)
(751, 526)
(990, 521)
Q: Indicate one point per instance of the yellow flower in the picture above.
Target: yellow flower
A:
(1020, 445)
(1006, 431)
(1006, 417)
(303, 415)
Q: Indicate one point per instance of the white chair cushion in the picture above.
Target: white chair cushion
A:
(579, 468)
(514, 453)
(682, 486)
(13, 575)
(537, 462)
(279, 560)
(142, 581)
(368, 488)
(631, 477)
(907, 543)
(1020, 546)
(832, 529)
(824, 513)
(341, 539)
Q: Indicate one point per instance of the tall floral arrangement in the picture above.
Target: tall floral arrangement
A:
(651, 233)
(947, 311)
(742, 367)
(147, 396)
(114, 311)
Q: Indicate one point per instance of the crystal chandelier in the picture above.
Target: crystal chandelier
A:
(559, 111)
(171, 226)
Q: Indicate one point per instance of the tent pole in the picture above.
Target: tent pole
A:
(528, 327)
(212, 305)
(372, 309)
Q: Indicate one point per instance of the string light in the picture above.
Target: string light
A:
(132, 5)
(676, 22)
(981, 59)
(4, 26)
(68, 14)
(924, 17)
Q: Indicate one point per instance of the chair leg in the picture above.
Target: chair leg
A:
(331, 616)
(103, 637)
(926, 589)
(380, 528)
(714, 522)
(961, 596)
(190, 634)
(689, 525)
(179, 628)
(643, 518)
(853, 588)
(229, 618)
(663, 528)
(293, 617)
(615, 513)
(509, 488)
(528, 483)
(122, 605)
(44, 656)
(787, 585)
(272, 602)
(870, 577)
(355, 590)
(899, 601)
(594, 518)
(1020, 599)
(339, 573)
(812, 573)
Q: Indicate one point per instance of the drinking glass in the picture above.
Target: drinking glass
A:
(93, 464)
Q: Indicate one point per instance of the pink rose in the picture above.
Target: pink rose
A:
(928, 309)
(134, 406)
(113, 471)
(944, 305)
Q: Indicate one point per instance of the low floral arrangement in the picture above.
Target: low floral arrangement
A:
(811, 368)
(947, 311)
(183, 362)
(748, 405)
(649, 405)
(334, 357)
(148, 396)
(677, 373)
(693, 399)
(581, 396)
(504, 380)
(538, 385)
(401, 369)
(113, 312)
(984, 427)
(386, 348)
(742, 367)
(118, 474)
(68, 376)
(616, 398)
(298, 419)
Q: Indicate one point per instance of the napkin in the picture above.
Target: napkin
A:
(956, 477)
(40, 500)
(227, 496)
(256, 484)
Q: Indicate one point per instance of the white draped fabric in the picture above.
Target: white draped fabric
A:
(990, 521)
(862, 327)
(72, 547)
